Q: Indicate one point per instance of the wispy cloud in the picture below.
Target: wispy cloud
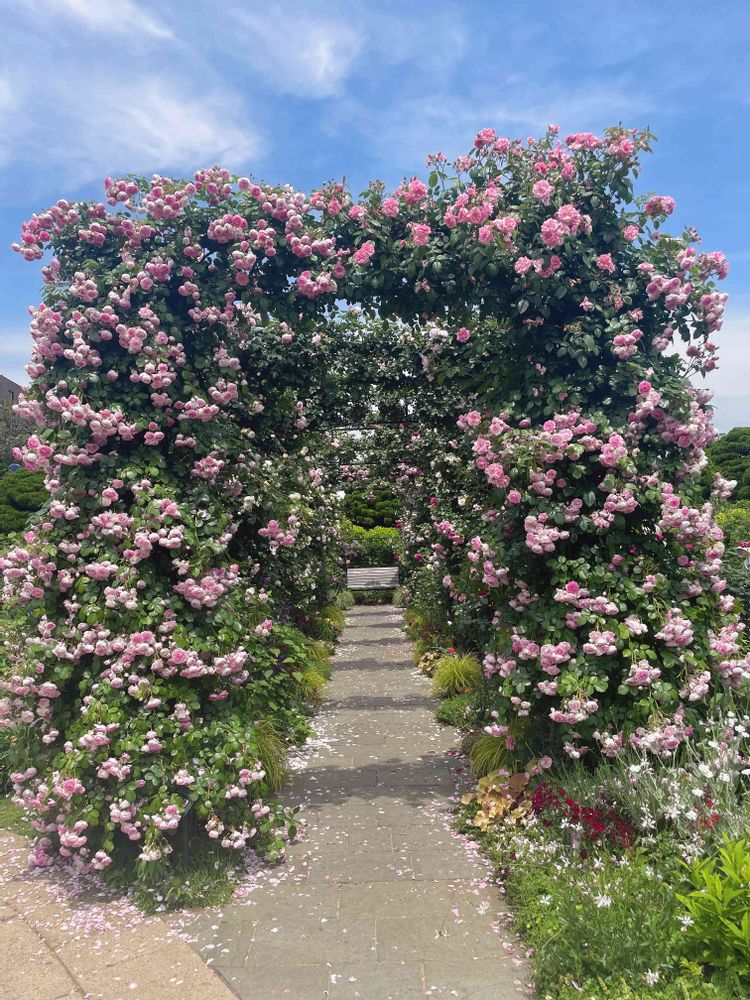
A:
(148, 123)
(297, 51)
(447, 121)
(111, 17)
(8, 104)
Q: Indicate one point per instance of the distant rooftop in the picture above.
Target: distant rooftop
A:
(9, 390)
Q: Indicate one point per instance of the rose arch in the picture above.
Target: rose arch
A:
(507, 323)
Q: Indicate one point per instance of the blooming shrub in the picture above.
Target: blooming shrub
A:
(189, 540)
(562, 514)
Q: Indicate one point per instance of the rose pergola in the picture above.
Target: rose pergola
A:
(506, 326)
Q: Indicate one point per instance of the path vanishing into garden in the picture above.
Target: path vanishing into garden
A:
(378, 900)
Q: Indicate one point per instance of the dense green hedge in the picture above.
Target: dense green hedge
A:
(373, 596)
(730, 456)
(21, 493)
(369, 547)
(377, 507)
(734, 520)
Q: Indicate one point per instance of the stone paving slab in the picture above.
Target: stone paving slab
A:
(378, 900)
(59, 943)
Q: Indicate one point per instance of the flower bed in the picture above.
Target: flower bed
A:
(633, 878)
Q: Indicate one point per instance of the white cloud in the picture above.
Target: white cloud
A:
(105, 16)
(730, 381)
(151, 123)
(405, 131)
(15, 353)
(299, 52)
(7, 109)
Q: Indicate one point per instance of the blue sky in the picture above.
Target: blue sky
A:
(307, 91)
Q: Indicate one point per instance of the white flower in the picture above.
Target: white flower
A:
(652, 978)
(602, 902)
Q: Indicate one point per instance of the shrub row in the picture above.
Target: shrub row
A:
(369, 547)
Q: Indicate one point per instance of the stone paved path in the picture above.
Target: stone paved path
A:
(61, 939)
(379, 901)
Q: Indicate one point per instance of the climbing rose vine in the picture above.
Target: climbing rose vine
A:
(188, 353)
(189, 534)
(559, 522)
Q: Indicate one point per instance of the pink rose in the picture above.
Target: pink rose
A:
(543, 190)
(421, 234)
(553, 233)
(362, 256)
(523, 265)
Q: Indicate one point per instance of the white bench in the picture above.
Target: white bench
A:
(372, 578)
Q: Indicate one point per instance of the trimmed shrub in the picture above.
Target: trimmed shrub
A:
(376, 507)
(369, 547)
(734, 521)
(457, 711)
(21, 494)
(373, 596)
(730, 455)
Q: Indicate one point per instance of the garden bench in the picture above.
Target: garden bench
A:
(372, 578)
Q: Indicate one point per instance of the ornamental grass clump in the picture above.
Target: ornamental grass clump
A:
(456, 674)
(273, 753)
(345, 600)
(486, 753)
